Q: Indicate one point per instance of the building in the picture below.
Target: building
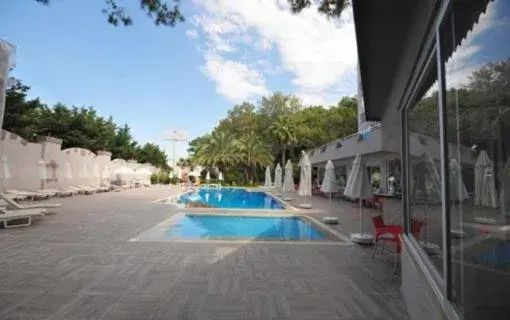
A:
(441, 69)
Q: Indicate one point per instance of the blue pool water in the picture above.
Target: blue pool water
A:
(497, 258)
(233, 198)
(243, 227)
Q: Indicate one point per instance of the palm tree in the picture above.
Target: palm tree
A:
(253, 152)
(217, 149)
(283, 131)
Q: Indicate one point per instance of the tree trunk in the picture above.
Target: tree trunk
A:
(284, 151)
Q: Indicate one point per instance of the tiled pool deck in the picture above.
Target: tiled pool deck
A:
(80, 264)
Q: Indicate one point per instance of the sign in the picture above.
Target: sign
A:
(176, 135)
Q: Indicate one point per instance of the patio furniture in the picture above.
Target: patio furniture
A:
(58, 193)
(29, 194)
(391, 233)
(11, 204)
(26, 215)
(81, 190)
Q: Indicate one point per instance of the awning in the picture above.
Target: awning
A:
(390, 36)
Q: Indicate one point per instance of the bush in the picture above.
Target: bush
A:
(162, 177)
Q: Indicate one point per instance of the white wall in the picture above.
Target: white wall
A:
(23, 158)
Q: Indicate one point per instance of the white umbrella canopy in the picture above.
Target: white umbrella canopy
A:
(458, 191)
(358, 187)
(220, 176)
(358, 183)
(428, 181)
(208, 176)
(305, 181)
(485, 188)
(288, 180)
(278, 176)
(329, 183)
(268, 182)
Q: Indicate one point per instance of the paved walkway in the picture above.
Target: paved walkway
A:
(79, 264)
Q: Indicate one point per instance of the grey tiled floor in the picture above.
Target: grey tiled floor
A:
(79, 264)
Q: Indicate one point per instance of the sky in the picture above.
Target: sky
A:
(159, 78)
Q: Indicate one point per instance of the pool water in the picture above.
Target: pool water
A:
(233, 198)
(243, 227)
(497, 257)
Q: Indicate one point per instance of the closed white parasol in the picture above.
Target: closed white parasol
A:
(267, 181)
(329, 184)
(305, 179)
(278, 176)
(358, 188)
(288, 180)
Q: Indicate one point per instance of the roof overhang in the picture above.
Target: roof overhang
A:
(389, 37)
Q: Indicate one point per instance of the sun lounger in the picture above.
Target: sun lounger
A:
(11, 204)
(29, 194)
(15, 196)
(25, 216)
(81, 190)
(90, 188)
(58, 193)
(45, 192)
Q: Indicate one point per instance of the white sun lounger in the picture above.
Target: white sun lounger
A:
(92, 189)
(6, 216)
(11, 204)
(81, 190)
(58, 193)
(28, 194)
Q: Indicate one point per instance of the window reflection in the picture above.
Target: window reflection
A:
(478, 123)
(424, 175)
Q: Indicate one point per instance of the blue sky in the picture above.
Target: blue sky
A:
(157, 78)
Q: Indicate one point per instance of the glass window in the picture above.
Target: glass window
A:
(341, 175)
(425, 214)
(475, 43)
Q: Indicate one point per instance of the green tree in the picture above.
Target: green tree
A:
(253, 153)
(77, 127)
(167, 14)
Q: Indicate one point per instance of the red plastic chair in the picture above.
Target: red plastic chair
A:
(391, 233)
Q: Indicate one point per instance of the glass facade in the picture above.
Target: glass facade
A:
(457, 155)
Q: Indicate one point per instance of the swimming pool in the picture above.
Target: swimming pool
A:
(232, 198)
(200, 226)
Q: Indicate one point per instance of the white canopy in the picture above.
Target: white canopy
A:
(305, 180)
(329, 184)
(288, 180)
(208, 176)
(220, 176)
(358, 184)
(485, 188)
(268, 182)
(458, 191)
(278, 176)
(428, 181)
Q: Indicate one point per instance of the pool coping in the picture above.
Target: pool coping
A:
(157, 233)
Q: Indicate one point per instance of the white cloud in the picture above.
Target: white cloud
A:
(192, 33)
(319, 53)
(234, 80)
(459, 67)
